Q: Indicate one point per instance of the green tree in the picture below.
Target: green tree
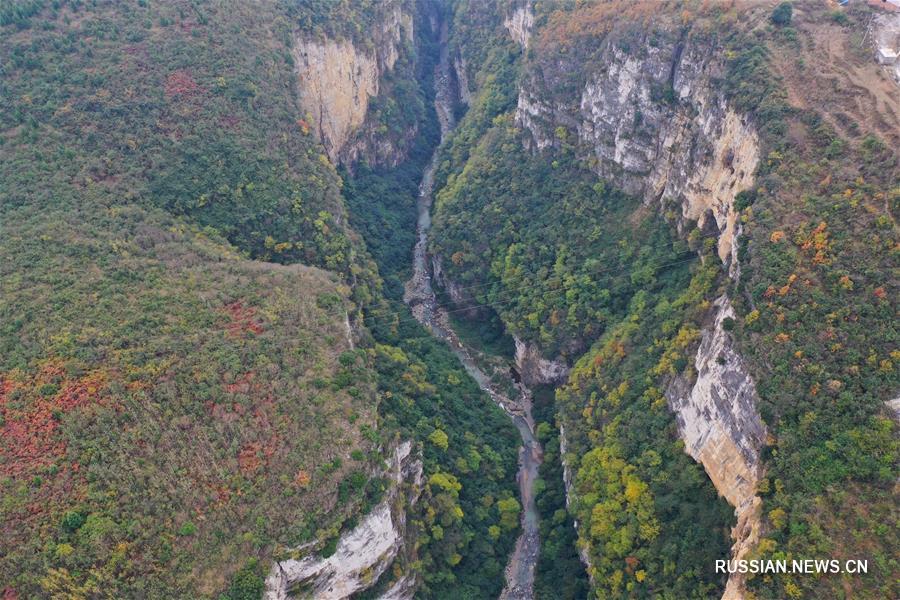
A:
(509, 512)
(782, 14)
(439, 439)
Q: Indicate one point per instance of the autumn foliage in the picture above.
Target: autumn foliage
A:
(241, 319)
(181, 83)
(30, 413)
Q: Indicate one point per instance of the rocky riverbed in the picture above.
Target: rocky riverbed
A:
(419, 295)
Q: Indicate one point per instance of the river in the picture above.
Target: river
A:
(420, 297)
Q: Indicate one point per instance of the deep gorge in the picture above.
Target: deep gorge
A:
(447, 299)
(659, 135)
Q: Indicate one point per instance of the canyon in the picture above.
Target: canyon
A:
(420, 297)
(637, 143)
(648, 114)
(447, 298)
(640, 143)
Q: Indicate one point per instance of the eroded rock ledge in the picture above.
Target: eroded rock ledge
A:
(721, 429)
(363, 553)
(534, 368)
(683, 146)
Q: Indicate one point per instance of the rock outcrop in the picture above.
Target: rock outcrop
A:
(894, 407)
(654, 124)
(461, 77)
(337, 79)
(569, 484)
(363, 553)
(403, 589)
(534, 368)
(721, 429)
(456, 292)
(886, 41)
(520, 22)
(336, 82)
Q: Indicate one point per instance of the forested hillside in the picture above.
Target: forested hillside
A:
(176, 406)
(818, 300)
(162, 395)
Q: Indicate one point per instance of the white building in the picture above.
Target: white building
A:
(885, 56)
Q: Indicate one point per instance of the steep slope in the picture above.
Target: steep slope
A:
(357, 66)
(178, 409)
(165, 401)
(680, 108)
(721, 429)
(161, 402)
(654, 120)
(163, 110)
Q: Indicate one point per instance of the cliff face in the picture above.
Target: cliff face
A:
(651, 121)
(654, 125)
(569, 486)
(363, 553)
(675, 110)
(519, 23)
(461, 78)
(455, 291)
(337, 80)
(721, 429)
(536, 369)
(335, 83)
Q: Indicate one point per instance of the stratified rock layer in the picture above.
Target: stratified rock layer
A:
(654, 125)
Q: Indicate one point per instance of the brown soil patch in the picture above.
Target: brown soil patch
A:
(832, 70)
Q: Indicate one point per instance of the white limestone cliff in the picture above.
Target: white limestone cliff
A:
(534, 368)
(363, 553)
(519, 23)
(684, 146)
(718, 421)
(894, 407)
(886, 38)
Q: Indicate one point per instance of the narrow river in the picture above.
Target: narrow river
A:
(420, 297)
